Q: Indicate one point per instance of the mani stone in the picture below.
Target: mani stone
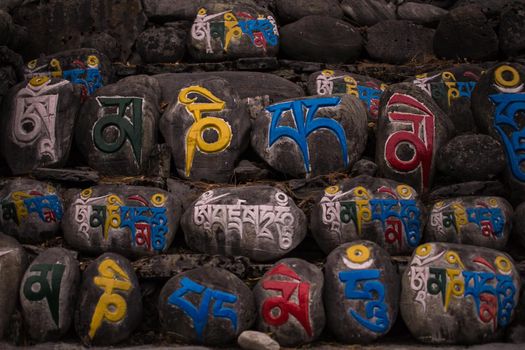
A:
(289, 300)
(252, 340)
(368, 90)
(410, 131)
(311, 136)
(13, 262)
(458, 294)
(31, 211)
(369, 12)
(110, 302)
(452, 90)
(361, 293)
(321, 39)
(48, 294)
(207, 305)
(166, 44)
(130, 220)
(117, 128)
(38, 123)
(293, 10)
(479, 221)
(383, 211)
(226, 30)
(260, 222)
(207, 129)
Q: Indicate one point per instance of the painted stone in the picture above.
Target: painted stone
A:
(48, 294)
(410, 131)
(458, 294)
(479, 221)
(321, 39)
(368, 90)
(207, 130)
(31, 211)
(369, 12)
(110, 302)
(129, 220)
(289, 300)
(117, 128)
(311, 136)
(207, 305)
(293, 10)
(227, 30)
(164, 44)
(13, 263)
(38, 124)
(379, 210)
(452, 91)
(420, 13)
(361, 292)
(260, 222)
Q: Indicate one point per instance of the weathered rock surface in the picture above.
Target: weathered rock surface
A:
(170, 10)
(364, 167)
(420, 13)
(163, 44)
(293, 10)
(6, 27)
(511, 32)
(471, 188)
(252, 340)
(518, 227)
(369, 12)
(10, 70)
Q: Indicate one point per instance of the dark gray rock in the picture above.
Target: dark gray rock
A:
(10, 70)
(361, 292)
(48, 294)
(471, 157)
(206, 305)
(291, 319)
(410, 131)
(104, 43)
(518, 227)
(491, 8)
(472, 188)
(260, 222)
(511, 32)
(130, 220)
(420, 13)
(439, 3)
(31, 210)
(247, 171)
(293, 10)
(379, 210)
(458, 294)
(8, 5)
(396, 42)
(252, 340)
(321, 39)
(6, 27)
(465, 34)
(369, 12)
(364, 167)
(184, 191)
(311, 136)
(207, 129)
(163, 44)
(109, 308)
(117, 127)
(171, 10)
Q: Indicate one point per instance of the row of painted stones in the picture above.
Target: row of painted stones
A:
(257, 221)
(475, 290)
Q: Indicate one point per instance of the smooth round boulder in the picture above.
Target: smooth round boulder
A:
(260, 222)
(253, 340)
(48, 294)
(459, 294)
(289, 300)
(420, 13)
(361, 293)
(311, 136)
(207, 305)
(109, 308)
(166, 44)
(293, 10)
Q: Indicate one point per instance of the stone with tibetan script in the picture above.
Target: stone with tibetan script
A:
(459, 294)
(368, 90)
(117, 127)
(206, 305)
(13, 263)
(38, 123)
(31, 211)
(410, 131)
(260, 222)
(110, 301)
(207, 129)
(289, 300)
(479, 221)
(48, 294)
(311, 136)
(225, 30)
(361, 292)
(129, 220)
(379, 210)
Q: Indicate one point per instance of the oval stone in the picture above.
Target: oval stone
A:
(289, 300)
(379, 210)
(361, 292)
(458, 294)
(260, 222)
(110, 303)
(206, 305)
(130, 220)
(479, 221)
(30, 210)
(48, 294)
